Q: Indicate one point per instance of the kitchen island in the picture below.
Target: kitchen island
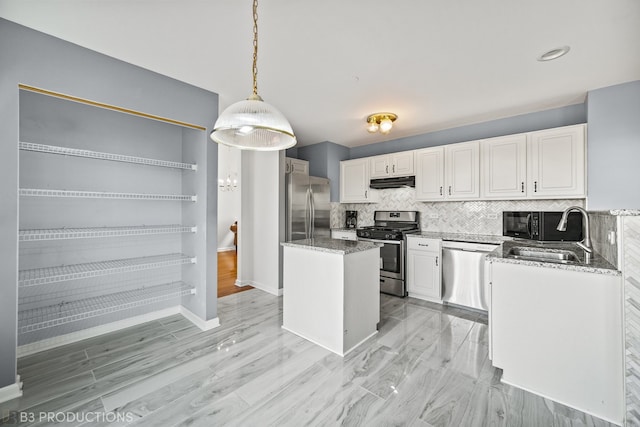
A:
(331, 291)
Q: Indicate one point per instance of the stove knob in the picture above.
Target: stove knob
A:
(388, 236)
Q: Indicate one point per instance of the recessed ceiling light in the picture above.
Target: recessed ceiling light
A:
(554, 53)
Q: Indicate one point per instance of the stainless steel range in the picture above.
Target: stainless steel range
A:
(390, 229)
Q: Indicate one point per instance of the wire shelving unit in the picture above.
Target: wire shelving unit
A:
(66, 151)
(47, 275)
(99, 232)
(67, 312)
(43, 192)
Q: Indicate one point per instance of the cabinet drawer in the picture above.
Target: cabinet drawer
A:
(343, 235)
(427, 245)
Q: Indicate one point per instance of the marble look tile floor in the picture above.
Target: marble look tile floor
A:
(427, 366)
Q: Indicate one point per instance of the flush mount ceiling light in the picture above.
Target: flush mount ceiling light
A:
(253, 124)
(554, 53)
(382, 122)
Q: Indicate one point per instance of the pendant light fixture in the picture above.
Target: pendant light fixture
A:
(253, 124)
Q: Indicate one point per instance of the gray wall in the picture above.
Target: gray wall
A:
(36, 59)
(324, 161)
(324, 157)
(564, 116)
(613, 149)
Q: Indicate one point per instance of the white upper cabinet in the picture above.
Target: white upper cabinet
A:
(556, 162)
(380, 166)
(296, 166)
(504, 167)
(397, 164)
(462, 170)
(448, 173)
(354, 182)
(402, 164)
(430, 174)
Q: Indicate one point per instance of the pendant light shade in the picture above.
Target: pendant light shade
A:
(253, 124)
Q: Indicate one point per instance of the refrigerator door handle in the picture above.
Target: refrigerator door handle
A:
(307, 215)
(313, 213)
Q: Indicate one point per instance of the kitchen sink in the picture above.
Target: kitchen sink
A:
(547, 255)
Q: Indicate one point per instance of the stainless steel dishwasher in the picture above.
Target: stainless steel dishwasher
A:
(463, 274)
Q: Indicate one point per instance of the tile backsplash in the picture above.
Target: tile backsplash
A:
(472, 217)
(602, 224)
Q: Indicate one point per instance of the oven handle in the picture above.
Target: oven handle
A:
(386, 242)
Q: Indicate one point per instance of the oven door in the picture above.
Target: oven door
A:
(391, 266)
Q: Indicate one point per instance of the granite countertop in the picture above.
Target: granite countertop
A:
(344, 229)
(597, 265)
(625, 212)
(335, 246)
(460, 237)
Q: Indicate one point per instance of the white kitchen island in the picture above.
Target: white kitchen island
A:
(331, 291)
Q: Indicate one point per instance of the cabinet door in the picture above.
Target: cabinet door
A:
(504, 167)
(402, 164)
(354, 181)
(423, 275)
(462, 170)
(429, 174)
(380, 166)
(557, 162)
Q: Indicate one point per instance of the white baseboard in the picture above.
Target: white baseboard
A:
(10, 392)
(46, 344)
(269, 289)
(204, 325)
(227, 249)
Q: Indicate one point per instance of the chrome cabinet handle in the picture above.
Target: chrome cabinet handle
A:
(422, 244)
(386, 168)
(449, 190)
(436, 261)
(394, 168)
(441, 190)
(365, 194)
(522, 186)
(535, 186)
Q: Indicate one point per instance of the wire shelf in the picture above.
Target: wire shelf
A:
(97, 232)
(44, 276)
(67, 312)
(42, 192)
(53, 149)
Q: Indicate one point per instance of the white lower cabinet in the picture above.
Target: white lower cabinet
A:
(558, 333)
(424, 268)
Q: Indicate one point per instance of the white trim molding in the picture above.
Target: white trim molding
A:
(269, 289)
(12, 391)
(204, 325)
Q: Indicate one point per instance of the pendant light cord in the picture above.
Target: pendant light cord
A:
(255, 47)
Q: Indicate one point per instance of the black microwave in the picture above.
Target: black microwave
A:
(541, 226)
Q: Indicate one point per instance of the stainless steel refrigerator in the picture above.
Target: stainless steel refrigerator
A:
(308, 207)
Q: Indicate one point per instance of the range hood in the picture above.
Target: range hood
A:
(395, 182)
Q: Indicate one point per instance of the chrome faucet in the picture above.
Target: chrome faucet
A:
(586, 241)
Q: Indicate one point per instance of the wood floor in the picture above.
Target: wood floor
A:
(427, 366)
(227, 274)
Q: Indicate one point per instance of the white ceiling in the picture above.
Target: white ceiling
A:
(328, 64)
